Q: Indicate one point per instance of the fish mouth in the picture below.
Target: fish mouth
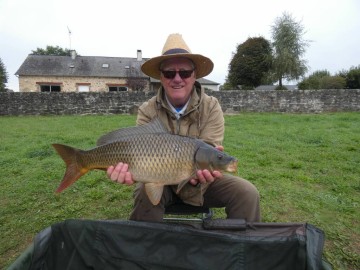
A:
(232, 167)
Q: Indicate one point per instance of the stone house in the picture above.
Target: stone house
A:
(50, 73)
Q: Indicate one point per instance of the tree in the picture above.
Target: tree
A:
(250, 64)
(137, 83)
(289, 46)
(3, 77)
(51, 50)
(134, 79)
(353, 78)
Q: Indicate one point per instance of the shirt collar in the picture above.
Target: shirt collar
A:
(178, 112)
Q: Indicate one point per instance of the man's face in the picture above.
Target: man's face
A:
(177, 89)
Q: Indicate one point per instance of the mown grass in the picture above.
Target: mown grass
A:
(306, 167)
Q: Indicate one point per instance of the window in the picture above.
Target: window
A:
(117, 88)
(50, 87)
(83, 87)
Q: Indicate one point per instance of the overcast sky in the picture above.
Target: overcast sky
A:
(212, 28)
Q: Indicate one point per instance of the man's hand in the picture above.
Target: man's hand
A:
(205, 176)
(120, 174)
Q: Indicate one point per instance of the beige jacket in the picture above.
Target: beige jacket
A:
(202, 119)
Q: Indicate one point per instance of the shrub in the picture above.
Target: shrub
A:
(281, 87)
(353, 78)
(323, 80)
(332, 82)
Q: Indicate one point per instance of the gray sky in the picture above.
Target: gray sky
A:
(212, 28)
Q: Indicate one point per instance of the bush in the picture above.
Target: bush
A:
(227, 86)
(323, 80)
(281, 88)
(332, 82)
(314, 80)
(353, 78)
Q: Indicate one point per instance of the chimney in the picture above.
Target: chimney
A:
(139, 55)
(73, 54)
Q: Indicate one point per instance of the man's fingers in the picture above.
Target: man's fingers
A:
(128, 179)
(217, 174)
(205, 176)
(200, 177)
(208, 176)
(194, 182)
(109, 171)
(124, 167)
(220, 148)
(117, 174)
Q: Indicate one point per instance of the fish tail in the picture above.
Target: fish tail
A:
(74, 170)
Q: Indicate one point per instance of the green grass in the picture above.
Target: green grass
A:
(306, 167)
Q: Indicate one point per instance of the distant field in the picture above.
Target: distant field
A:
(306, 167)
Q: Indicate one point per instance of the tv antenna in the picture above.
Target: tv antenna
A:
(69, 37)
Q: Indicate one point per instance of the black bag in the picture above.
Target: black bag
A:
(215, 244)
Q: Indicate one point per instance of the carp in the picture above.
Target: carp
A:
(155, 157)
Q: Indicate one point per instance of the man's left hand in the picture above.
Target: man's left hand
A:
(205, 176)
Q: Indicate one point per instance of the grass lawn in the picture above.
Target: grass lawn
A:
(306, 167)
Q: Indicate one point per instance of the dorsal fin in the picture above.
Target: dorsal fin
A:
(155, 126)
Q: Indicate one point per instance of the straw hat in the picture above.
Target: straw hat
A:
(175, 46)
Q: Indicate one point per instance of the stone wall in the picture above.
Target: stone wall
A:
(299, 101)
(307, 101)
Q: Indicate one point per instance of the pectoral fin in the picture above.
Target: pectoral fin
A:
(182, 184)
(154, 192)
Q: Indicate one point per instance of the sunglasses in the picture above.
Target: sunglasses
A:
(170, 74)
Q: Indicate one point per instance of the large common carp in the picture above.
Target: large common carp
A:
(155, 157)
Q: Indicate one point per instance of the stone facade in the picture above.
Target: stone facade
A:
(306, 101)
(69, 84)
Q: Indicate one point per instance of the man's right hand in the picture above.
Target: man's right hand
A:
(120, 174)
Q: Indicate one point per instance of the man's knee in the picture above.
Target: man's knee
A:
(242, 187)
(245, 202)
(250, 189)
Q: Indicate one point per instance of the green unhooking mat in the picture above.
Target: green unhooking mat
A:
(215, 244)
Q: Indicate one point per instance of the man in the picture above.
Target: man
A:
(184, 109)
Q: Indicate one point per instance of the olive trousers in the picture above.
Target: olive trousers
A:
(239, 197)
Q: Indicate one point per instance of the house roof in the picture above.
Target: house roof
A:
(207, 82)
(273, 87)
(82, 66)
